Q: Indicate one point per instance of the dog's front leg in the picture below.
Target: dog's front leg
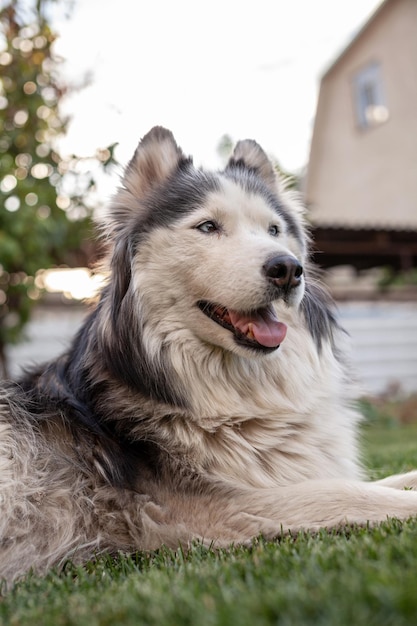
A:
(333, 503)
(222, 517)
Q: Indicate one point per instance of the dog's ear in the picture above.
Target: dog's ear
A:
(156, 158)
(248, 154)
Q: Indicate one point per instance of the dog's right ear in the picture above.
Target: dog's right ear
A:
(156, 158)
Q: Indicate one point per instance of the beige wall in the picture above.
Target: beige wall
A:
(368, 177)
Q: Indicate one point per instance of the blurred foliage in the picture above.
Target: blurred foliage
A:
(392, 278)
(392, 408)
(225, 147)
(375, 412)
(45, 213)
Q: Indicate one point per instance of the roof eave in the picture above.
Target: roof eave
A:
(353, 41)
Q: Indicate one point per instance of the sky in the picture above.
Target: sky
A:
(202, 69)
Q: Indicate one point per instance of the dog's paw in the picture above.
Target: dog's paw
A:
(400, 481)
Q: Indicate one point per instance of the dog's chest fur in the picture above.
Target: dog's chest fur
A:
(265, 420)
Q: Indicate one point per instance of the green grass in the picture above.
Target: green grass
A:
(361, 576)
(389, 448)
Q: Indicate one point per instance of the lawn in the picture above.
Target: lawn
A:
(360, 576)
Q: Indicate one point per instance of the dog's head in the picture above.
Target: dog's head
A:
(214, 254)
(207, 253)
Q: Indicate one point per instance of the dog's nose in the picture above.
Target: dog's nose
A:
(284, 271)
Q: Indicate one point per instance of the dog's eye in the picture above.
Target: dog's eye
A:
(273, 230)
(209, 226)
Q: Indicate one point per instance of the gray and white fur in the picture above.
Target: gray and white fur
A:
(205, 398)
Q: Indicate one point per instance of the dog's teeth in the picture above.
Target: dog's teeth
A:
(250, 334)
(223, 314)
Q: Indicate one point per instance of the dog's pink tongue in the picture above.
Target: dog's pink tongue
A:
(262, 325)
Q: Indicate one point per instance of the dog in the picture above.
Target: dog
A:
(207, 396)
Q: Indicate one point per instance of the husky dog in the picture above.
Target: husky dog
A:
(206, 397)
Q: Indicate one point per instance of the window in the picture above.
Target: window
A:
(369, 97)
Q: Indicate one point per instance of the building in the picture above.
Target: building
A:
(361, 184)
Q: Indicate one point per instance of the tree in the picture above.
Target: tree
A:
(45, 216)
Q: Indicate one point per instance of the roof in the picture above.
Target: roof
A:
(338, 222)
(358, 35)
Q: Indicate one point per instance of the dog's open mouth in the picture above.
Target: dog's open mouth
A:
(259, 330)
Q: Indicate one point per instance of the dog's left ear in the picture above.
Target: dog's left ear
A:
(156, 158)
(249, 154)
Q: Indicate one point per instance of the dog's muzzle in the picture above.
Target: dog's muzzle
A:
(260, 329)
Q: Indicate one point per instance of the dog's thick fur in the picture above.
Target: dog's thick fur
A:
(175, 416)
